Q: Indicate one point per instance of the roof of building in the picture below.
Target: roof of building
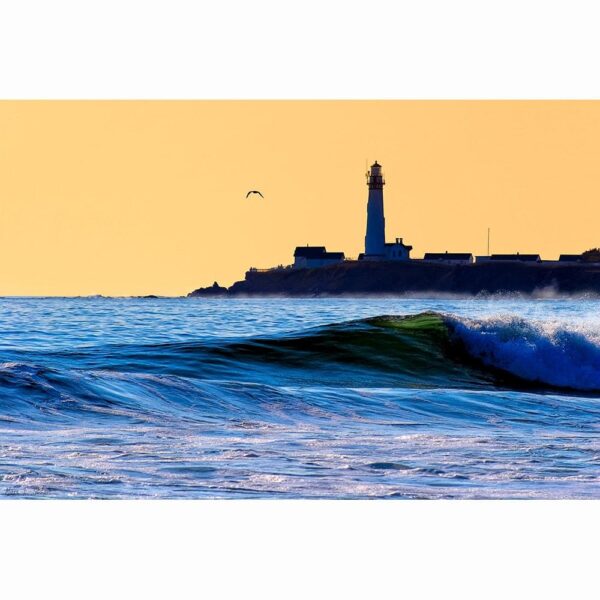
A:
(375, 164)
(309, 251)
(448, 256)
(569, 257)
(517, 256)
(317, 252)
(399, 242)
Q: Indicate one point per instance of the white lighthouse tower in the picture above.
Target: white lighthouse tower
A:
(375, 245)
(375, 238)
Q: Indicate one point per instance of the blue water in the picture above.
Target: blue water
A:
(299, 398)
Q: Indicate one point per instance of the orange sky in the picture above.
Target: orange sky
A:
(140, 197)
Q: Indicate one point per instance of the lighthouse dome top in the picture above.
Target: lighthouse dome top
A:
(375, 164)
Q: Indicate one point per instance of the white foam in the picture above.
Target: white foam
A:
(549, 352)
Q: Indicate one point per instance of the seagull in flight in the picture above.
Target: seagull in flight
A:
(254, 192)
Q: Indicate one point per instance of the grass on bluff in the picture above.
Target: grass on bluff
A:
(591, 255)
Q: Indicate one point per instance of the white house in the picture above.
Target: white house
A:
(397, 250)
(530, 258)
(452, 258)
(309, 257)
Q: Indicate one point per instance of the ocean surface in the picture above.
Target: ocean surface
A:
(299, 398)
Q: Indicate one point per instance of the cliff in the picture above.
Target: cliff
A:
(373, 278)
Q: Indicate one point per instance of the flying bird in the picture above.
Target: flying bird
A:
(254, 192)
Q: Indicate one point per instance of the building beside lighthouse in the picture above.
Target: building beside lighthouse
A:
(309, 257)
(376, 248)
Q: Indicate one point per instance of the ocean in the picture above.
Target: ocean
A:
(299, 398)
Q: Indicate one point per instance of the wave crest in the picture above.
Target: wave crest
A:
(427, 350)
(545, 353)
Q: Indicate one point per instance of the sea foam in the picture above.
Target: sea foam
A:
(546, 352)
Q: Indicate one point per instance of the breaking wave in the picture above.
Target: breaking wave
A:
(205, 380)
(424, 350)
(545, 353)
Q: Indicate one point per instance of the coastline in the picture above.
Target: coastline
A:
(402, 278)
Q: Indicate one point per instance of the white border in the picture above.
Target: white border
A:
(293, 549)
(311, 49)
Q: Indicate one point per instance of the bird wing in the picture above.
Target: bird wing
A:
(260, 194)
(249, 194)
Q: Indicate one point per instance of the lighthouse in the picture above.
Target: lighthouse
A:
(375, 238)
(376, 247)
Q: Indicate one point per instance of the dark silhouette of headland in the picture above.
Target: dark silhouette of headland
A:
(387, 268)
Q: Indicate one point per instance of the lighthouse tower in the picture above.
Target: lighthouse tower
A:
(375, 238)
